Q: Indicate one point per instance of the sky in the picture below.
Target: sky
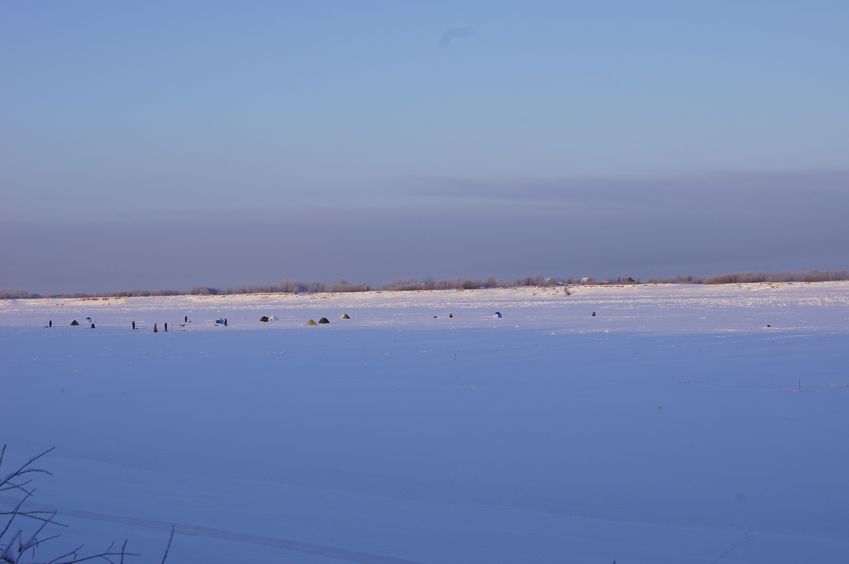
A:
(172, 145)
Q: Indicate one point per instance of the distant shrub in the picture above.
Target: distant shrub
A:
(345, 286)
(680, 279)
(753, 277)
(139, 293)
(756, 277)
(294, 287)
(17, 295)
(203, 291)
(450, 284)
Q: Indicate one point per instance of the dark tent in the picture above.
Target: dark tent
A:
(498, 315)
(74, 323)
(323, 321)
(264, 319)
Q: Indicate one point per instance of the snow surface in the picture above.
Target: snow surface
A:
(674, 426)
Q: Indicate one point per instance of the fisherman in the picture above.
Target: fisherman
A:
(134, 325)
(593, 314)
(92, 325)
(166, 326)
(186, 319)
(225, 322)
(50, 323)
(155, 328)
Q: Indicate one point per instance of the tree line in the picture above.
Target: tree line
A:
(408, 285)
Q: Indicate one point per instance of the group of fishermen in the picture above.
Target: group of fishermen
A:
(133, 324)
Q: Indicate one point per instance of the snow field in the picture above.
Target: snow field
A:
(673, 427)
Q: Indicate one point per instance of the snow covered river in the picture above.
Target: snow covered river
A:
(680, 424)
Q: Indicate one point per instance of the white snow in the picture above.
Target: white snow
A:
(675, 426)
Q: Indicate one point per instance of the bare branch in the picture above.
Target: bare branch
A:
(168, 548)
(14, 548)
(25, 467)
(70, 554)
(102, 555)
(13, 514)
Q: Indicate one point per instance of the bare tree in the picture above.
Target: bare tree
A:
(25, 531)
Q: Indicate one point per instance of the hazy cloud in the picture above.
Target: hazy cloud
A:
(453, 33)
(744, 194)
(685, 186)
(460, 229)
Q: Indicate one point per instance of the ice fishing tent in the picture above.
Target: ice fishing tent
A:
(323, 321)
(345, 316)
(265, 319)
(74, 323)
(312, 322)
(497, 315)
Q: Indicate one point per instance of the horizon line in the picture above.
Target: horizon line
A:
(294, 287)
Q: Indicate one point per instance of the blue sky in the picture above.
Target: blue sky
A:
(140, 128)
